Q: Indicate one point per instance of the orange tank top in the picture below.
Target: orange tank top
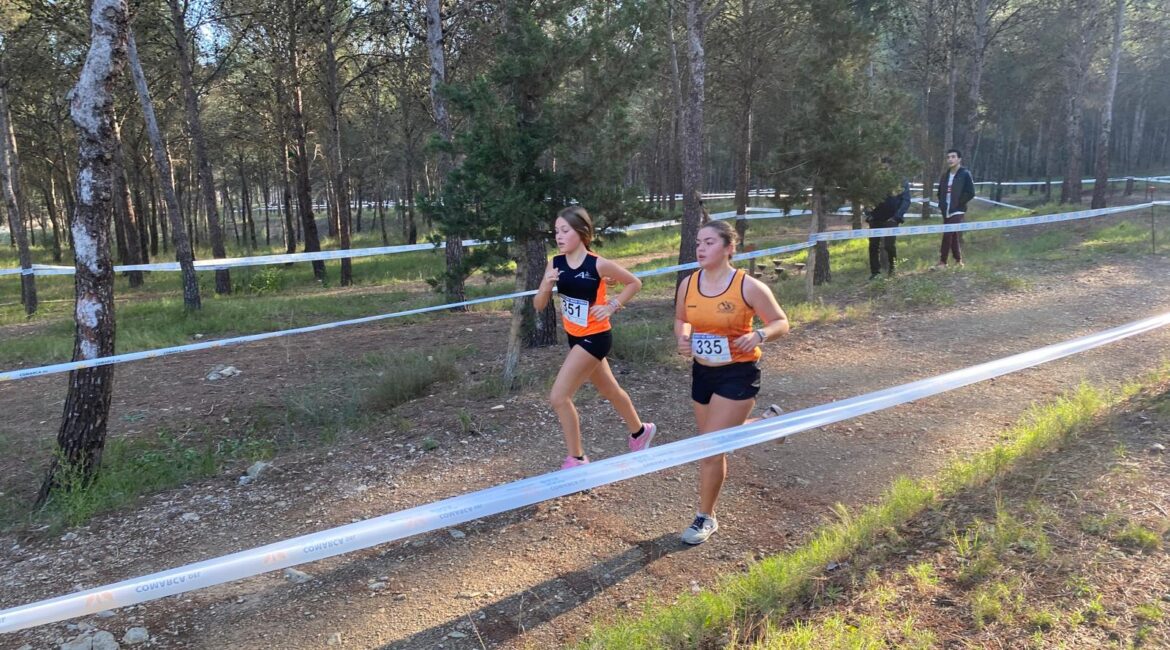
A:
(716, 321)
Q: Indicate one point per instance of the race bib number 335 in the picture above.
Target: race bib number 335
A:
(710, 347)
(575, 310)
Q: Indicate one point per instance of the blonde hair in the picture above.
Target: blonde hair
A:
(580, 221)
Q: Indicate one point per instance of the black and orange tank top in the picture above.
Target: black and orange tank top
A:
(580, 288)
(716, 321)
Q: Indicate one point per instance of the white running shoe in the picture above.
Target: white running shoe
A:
(699, 530)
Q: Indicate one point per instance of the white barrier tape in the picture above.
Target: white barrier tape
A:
(1058, 181)
(510, 496)
(217, 264)
(838, 235)
(13, 375)
(754, 213)
(1006, 205)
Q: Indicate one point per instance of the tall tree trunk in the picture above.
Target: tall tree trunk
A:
(816, 270)
(125, 219)
(297, 121)
(1079, 55)
(141, 218)
(952, 82)
(1138, 132)
(230, 211)
(223, 280)
(743, 165)
(692, 135)
(982, 20)
(409, 227)
(674, 183)
(82, 435)
(162, 164)
(8, 179)
(529, 328)
(454, 287)
(333, 103)
(1101, 185)
(155, 222)
(50, 191)
(382, 211)
(282, 117)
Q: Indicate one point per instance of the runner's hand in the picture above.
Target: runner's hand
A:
(684, 345)
(551, 277)
(746, 343)
(601, 312)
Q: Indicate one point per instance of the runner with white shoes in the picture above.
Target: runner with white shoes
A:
(579, 276)
(715, 309)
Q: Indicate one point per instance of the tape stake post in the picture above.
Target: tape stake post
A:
(510, 496)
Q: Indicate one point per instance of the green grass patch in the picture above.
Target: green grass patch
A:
(854, 633)
(410, 375)
(773, 585)
(1138, 537)
(133, 468)
(644, 341)
(1149, 612)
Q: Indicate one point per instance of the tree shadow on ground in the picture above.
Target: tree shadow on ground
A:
(507, 618)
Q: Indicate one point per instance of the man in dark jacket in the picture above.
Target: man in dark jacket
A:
(955, 190)
(890, 213)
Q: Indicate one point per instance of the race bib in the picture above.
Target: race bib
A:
(711, 348)
(575, 310)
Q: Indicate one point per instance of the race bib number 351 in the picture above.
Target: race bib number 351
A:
(709, 347)
(575, 310)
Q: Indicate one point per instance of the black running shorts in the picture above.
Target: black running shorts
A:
(598, 344)
(734, 381)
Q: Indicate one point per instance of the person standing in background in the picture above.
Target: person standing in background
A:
(890, 213)
(955, 189)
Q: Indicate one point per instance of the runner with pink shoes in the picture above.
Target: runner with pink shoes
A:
(579, 276)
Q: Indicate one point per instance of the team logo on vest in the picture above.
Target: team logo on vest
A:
(725, 307)
(584, 275)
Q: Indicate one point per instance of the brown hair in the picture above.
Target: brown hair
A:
(723, 229)
(580, 221)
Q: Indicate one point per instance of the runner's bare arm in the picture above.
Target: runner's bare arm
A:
(682, 329)
(544, 293)
(759, 297)
(632, 285)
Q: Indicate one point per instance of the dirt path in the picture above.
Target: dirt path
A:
(540, 576)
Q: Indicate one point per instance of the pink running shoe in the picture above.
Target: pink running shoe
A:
(571, 462)
(643, 441)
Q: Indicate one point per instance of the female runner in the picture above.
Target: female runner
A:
(714, 312)
(579, 276)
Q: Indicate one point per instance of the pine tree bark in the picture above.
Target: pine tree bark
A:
(743, 168)
(82, 435)
(8, 180)
(162, 164)
(454, 280)
(692, 134)
(817, 271)
(223, 280)
(125, 218)
(49, 190)
(982, 25)
(1078, 58)
(282, 119)
(308, 220)
(333, 103)
(1101, 169)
